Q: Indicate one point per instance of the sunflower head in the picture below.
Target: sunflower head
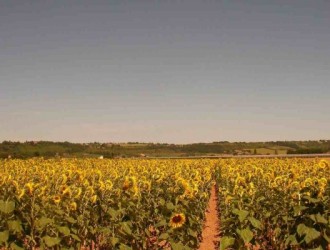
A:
(228, 199)
(57, 199)
(73, 206)
(177, 220)
(147, 185)
(323, 164)
(323, 182)
(30, 188)
(108, 185)
(295, 195)
(94, 199)
(78, 193)
(308, 182)
(127, 184)
(65, 190)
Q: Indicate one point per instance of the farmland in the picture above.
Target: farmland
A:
(48, 149)
(275, 204)
(160, 204)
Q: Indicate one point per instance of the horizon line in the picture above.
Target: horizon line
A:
(140, 142)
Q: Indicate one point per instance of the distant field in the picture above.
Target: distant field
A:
(46, 149)
(270, 151)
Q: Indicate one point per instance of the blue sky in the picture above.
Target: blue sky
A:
(164, 71)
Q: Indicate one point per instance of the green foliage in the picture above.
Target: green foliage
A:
(226, 242)
(134, 149)
(275, 204)
(114, 204)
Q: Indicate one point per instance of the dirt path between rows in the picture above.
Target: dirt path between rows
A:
(210, 234)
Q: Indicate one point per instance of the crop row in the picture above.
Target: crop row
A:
(111, 204)
(274, 204)
(160, 204)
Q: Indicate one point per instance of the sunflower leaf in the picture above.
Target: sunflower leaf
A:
(246, 234)
(4, 236)
(226, 242)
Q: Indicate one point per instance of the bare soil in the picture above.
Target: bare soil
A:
(211, 230)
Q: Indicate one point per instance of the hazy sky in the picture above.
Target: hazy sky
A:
(164, 71)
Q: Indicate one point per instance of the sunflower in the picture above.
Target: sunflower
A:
(94, 199)
(240, 181)
(295, 195)
(127, 184)
(57, 199)
(228, 199)
(65, 190)
(295, 185)
(323, 182)
(308, 182)
(101, 186)
(30, 187)
(136, 191)
(78, 193)
(147, 185)
(64, 178)
(108, 185)
(321, 192)
(177, 220)
(73, 206)
(323, 164)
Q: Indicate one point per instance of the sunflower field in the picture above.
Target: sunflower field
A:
(160, 204)
(274, 204)
(103, 204)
